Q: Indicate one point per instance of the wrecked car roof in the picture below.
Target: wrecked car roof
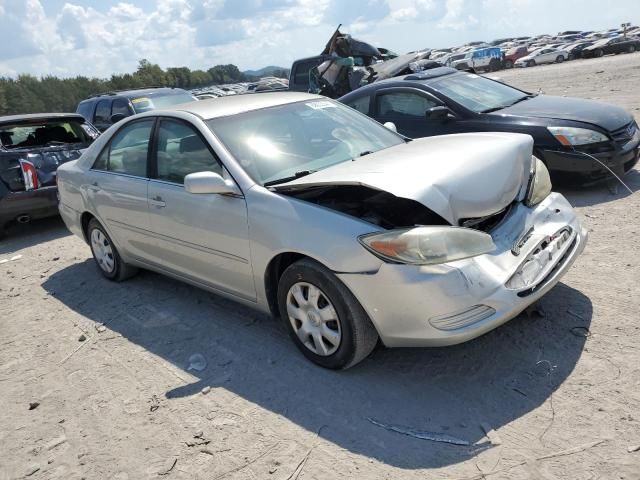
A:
(40, 116)
(456, 176)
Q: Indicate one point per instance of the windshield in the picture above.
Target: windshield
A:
(153, 102)
(44, 133)
(477, 93)
(277, 144)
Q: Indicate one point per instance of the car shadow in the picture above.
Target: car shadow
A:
(490, 381)
(602, 192)
(27, 235)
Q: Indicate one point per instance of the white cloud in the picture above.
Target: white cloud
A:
(113, 35)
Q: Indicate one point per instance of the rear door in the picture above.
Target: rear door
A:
(203, 237)
(118, 185)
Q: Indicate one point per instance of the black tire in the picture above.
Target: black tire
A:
(358, 335)
(508, 64)
(599, 53)
(631, 49)
(531, 63)
(121, 271)
(559, 59)
(494, 65)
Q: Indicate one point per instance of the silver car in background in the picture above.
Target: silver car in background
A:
(541, 56)
(300, 206)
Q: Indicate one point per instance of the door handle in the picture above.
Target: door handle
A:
(157, 202)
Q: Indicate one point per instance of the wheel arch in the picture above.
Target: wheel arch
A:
(85, 218)
(275, 268)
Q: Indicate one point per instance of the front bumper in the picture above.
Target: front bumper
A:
(416, 306)
(39, 203)
(576, 162)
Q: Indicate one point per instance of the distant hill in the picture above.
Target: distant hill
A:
(268, 71)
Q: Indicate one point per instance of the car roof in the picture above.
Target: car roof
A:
(424, 77)
(138, 92)
(235, 104)
(39, 116)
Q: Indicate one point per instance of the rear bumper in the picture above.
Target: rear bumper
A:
(39, 203)
(420, 306)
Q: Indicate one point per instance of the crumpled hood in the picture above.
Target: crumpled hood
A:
(459, 176)
(604, 115)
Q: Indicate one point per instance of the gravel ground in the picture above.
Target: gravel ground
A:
(97, 381)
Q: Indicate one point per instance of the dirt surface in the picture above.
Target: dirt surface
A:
(95, 377)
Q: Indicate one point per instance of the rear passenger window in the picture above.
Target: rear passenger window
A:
(127, 152)
(182, 151)
(84, 109)
(361, 104)
(103, 112)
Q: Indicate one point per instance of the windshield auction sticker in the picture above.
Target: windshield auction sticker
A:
(321, 104)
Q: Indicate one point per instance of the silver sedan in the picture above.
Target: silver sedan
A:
(302, 207)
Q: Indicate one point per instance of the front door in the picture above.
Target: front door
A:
(407, 108)
(203, 237)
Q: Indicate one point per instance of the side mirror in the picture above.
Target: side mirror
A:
(439, 113)
(116, 117)
(391, 126)
(209, 182)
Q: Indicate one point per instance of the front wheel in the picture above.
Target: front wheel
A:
(559, 59)
(531, 63)
(599, 53)
(631, 49)
(323, 318)
(508, 64)
(106, 255)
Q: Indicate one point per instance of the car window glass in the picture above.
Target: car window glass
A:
(361, 104)
(404, 104)
(120, 105)
(302, 71)
(103, 111)
(84, 109)
(182, 151)
(129, 147)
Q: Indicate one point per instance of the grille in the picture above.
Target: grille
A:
(623, 135)
(488, 223)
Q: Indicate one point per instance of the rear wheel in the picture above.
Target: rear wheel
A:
(323, 318)
(508, 64)
(106, 255)
(494, 65)
(559, 59)
(599, 53)
(631, 48)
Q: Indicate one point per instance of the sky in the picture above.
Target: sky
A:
(97, 38)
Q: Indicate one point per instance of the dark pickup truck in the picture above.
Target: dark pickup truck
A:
(31, 149)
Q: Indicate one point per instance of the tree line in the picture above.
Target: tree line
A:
(29, 94)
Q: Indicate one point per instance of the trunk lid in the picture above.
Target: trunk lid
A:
(458, 176)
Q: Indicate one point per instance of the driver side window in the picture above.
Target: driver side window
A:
(403, 105)
(181, 151)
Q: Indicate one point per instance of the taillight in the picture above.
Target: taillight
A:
(29, 175)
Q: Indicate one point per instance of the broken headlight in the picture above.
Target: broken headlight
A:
(570, 136)
(428, 245)
(539, 185)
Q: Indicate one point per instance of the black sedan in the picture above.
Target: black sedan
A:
(573, 137)
(31, 149)
(606, 46)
